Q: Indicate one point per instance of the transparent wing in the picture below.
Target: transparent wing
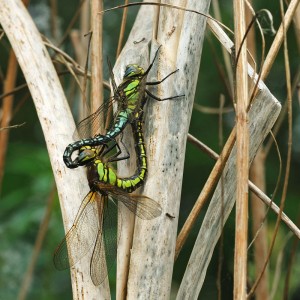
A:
(105, 250)
(142, 206)
(91, 125)
(81, 237)
(112, 76)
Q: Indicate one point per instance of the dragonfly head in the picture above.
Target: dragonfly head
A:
(86, 155)
(133, 71)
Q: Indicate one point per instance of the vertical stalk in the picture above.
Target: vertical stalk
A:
(7, 107)
(181, 35)
(242, 158)
(122, 30)
(258, 208)
(96, 54)
(137, 53)
(56, 121)
(289, 145)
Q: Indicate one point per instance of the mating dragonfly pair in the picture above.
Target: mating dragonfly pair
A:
(93, 223)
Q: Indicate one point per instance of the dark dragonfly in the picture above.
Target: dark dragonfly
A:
(93, 225)
(129, 96)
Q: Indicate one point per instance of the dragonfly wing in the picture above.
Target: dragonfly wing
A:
(105, 250)
(91, 125)
(142, 206)
(81, 237)
(112, 76)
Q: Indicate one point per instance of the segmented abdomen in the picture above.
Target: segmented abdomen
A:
(117, 128)
(130, 184)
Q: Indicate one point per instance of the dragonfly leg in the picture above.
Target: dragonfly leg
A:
(115, 157)
(127, 155)
(104, 150)
(163, 99)
(160, 81)
(151, 65)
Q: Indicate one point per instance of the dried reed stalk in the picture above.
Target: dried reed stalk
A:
(56, 120)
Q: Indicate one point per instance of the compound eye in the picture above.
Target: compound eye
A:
(132, 70)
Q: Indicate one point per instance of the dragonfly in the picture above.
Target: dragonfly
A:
(93, 225)
(129, 96)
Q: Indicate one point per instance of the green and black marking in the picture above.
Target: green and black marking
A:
(129, 96)
(100, 174)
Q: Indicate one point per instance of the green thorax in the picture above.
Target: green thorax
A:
(132, 88)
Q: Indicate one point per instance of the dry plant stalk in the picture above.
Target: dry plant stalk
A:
(257, 175)
(258, 209)
(242, 157)
(179, 34)
(122, 30)
(260, 194)
(138, 53)
(228, 44)
(56, 120)
(262, 116)
(221, 245)
(296, 19)
(9, 84)
(217, 170)
(205, 193)
(96, 55)
(289, 149)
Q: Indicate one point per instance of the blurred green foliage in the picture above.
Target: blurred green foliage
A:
(28, 176)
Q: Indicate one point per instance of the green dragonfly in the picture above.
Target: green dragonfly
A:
(93, 225)
(129, 96)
